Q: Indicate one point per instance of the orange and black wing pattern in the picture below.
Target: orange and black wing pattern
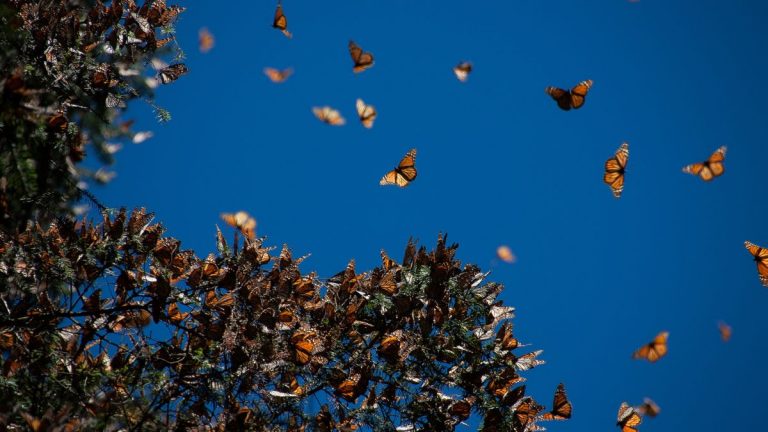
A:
(710, 168)
(329, 116)
(653, 350)
(281, 22)
(404, 173)
(462, 71)
(628, 418)
(760, 254)
(367, 113)
(614, 170)
(573, 98)
(561, 406)
(363, 59)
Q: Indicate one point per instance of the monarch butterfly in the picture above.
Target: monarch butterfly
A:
(505, 254)
(725, 331)
(628, 418)
(388, 284)
(462, 71)
(367, 113)
(648, 408)
(276, 75)
(404, 173)
(329, 115)
(654, 350)
(172, 73)
(281, 22)
(561, 406)
(570, 99)
(526, 412)
(363, 59)
(761, 258)
(504, 337)
(614, 170)
(710, 168)
(241, 221)
(205, 40)
(303, 346)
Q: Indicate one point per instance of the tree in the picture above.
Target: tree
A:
(111, 325)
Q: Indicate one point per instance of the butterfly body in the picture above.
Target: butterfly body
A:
(404, 173)
(570, 99)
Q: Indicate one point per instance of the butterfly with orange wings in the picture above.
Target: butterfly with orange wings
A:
(505, 254)
(760, 254)
(367, 113)
(561, 406)
(462, 71)
(329, 115)
(648, 408)
(205, 40)
(725, 331)
(614, 170)
(241, 221)
(628, 418)
(277, 75)
(653, 350)
(574, 98)
(172, 73)
(710, 168)
(363, 59)
(404, 173)
(281, 22)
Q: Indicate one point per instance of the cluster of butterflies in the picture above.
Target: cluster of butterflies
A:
(629, 417)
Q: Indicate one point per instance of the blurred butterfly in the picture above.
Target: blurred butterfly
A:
(404, 173)
(281, 22)
(367, 113)
(172, 73)
(561, 406)
(363, 59)
(725, 331)
(654, 350)
(648, 408)
(462, 71)
(276, 75)
(614, 170)
(205, 40)
(710, 168)
(570, 99)
(329, 115)
(628, 418)
(241, 221)
(505, 254)
(760, 255)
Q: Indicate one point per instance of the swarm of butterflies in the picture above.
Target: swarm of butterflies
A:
(628, 417)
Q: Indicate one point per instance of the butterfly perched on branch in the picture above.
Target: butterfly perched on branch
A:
(404, 173)
(573, 98)
(172, 73)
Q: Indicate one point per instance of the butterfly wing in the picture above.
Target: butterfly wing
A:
(462, 71)
(367, 113)
(760, 255)
(614, 170)
(562, 97)
(363, 60)
(405, 172)
(329, 115)
(579, 94)
(561, 406)
(281, 22)
(655, 350)
(172, 73)
(277, 76)
(715, 162)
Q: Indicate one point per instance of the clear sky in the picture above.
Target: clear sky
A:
(499, 163)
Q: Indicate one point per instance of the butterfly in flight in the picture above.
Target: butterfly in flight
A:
(760, 255)
(505, 254)
(725, 331)
(561, 406)
(241, 221)
(628, 418)
(570, 99)
(172, 73)
(277, 75)
(653, 350)
(614, 170)
(205, 40)
(367, 113)
(648, 408)
(404, 173)
(363, 59)
(710, 168)
(329, 115)
(281, 22)
(462, 71)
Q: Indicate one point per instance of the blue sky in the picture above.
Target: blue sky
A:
(499, 163)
